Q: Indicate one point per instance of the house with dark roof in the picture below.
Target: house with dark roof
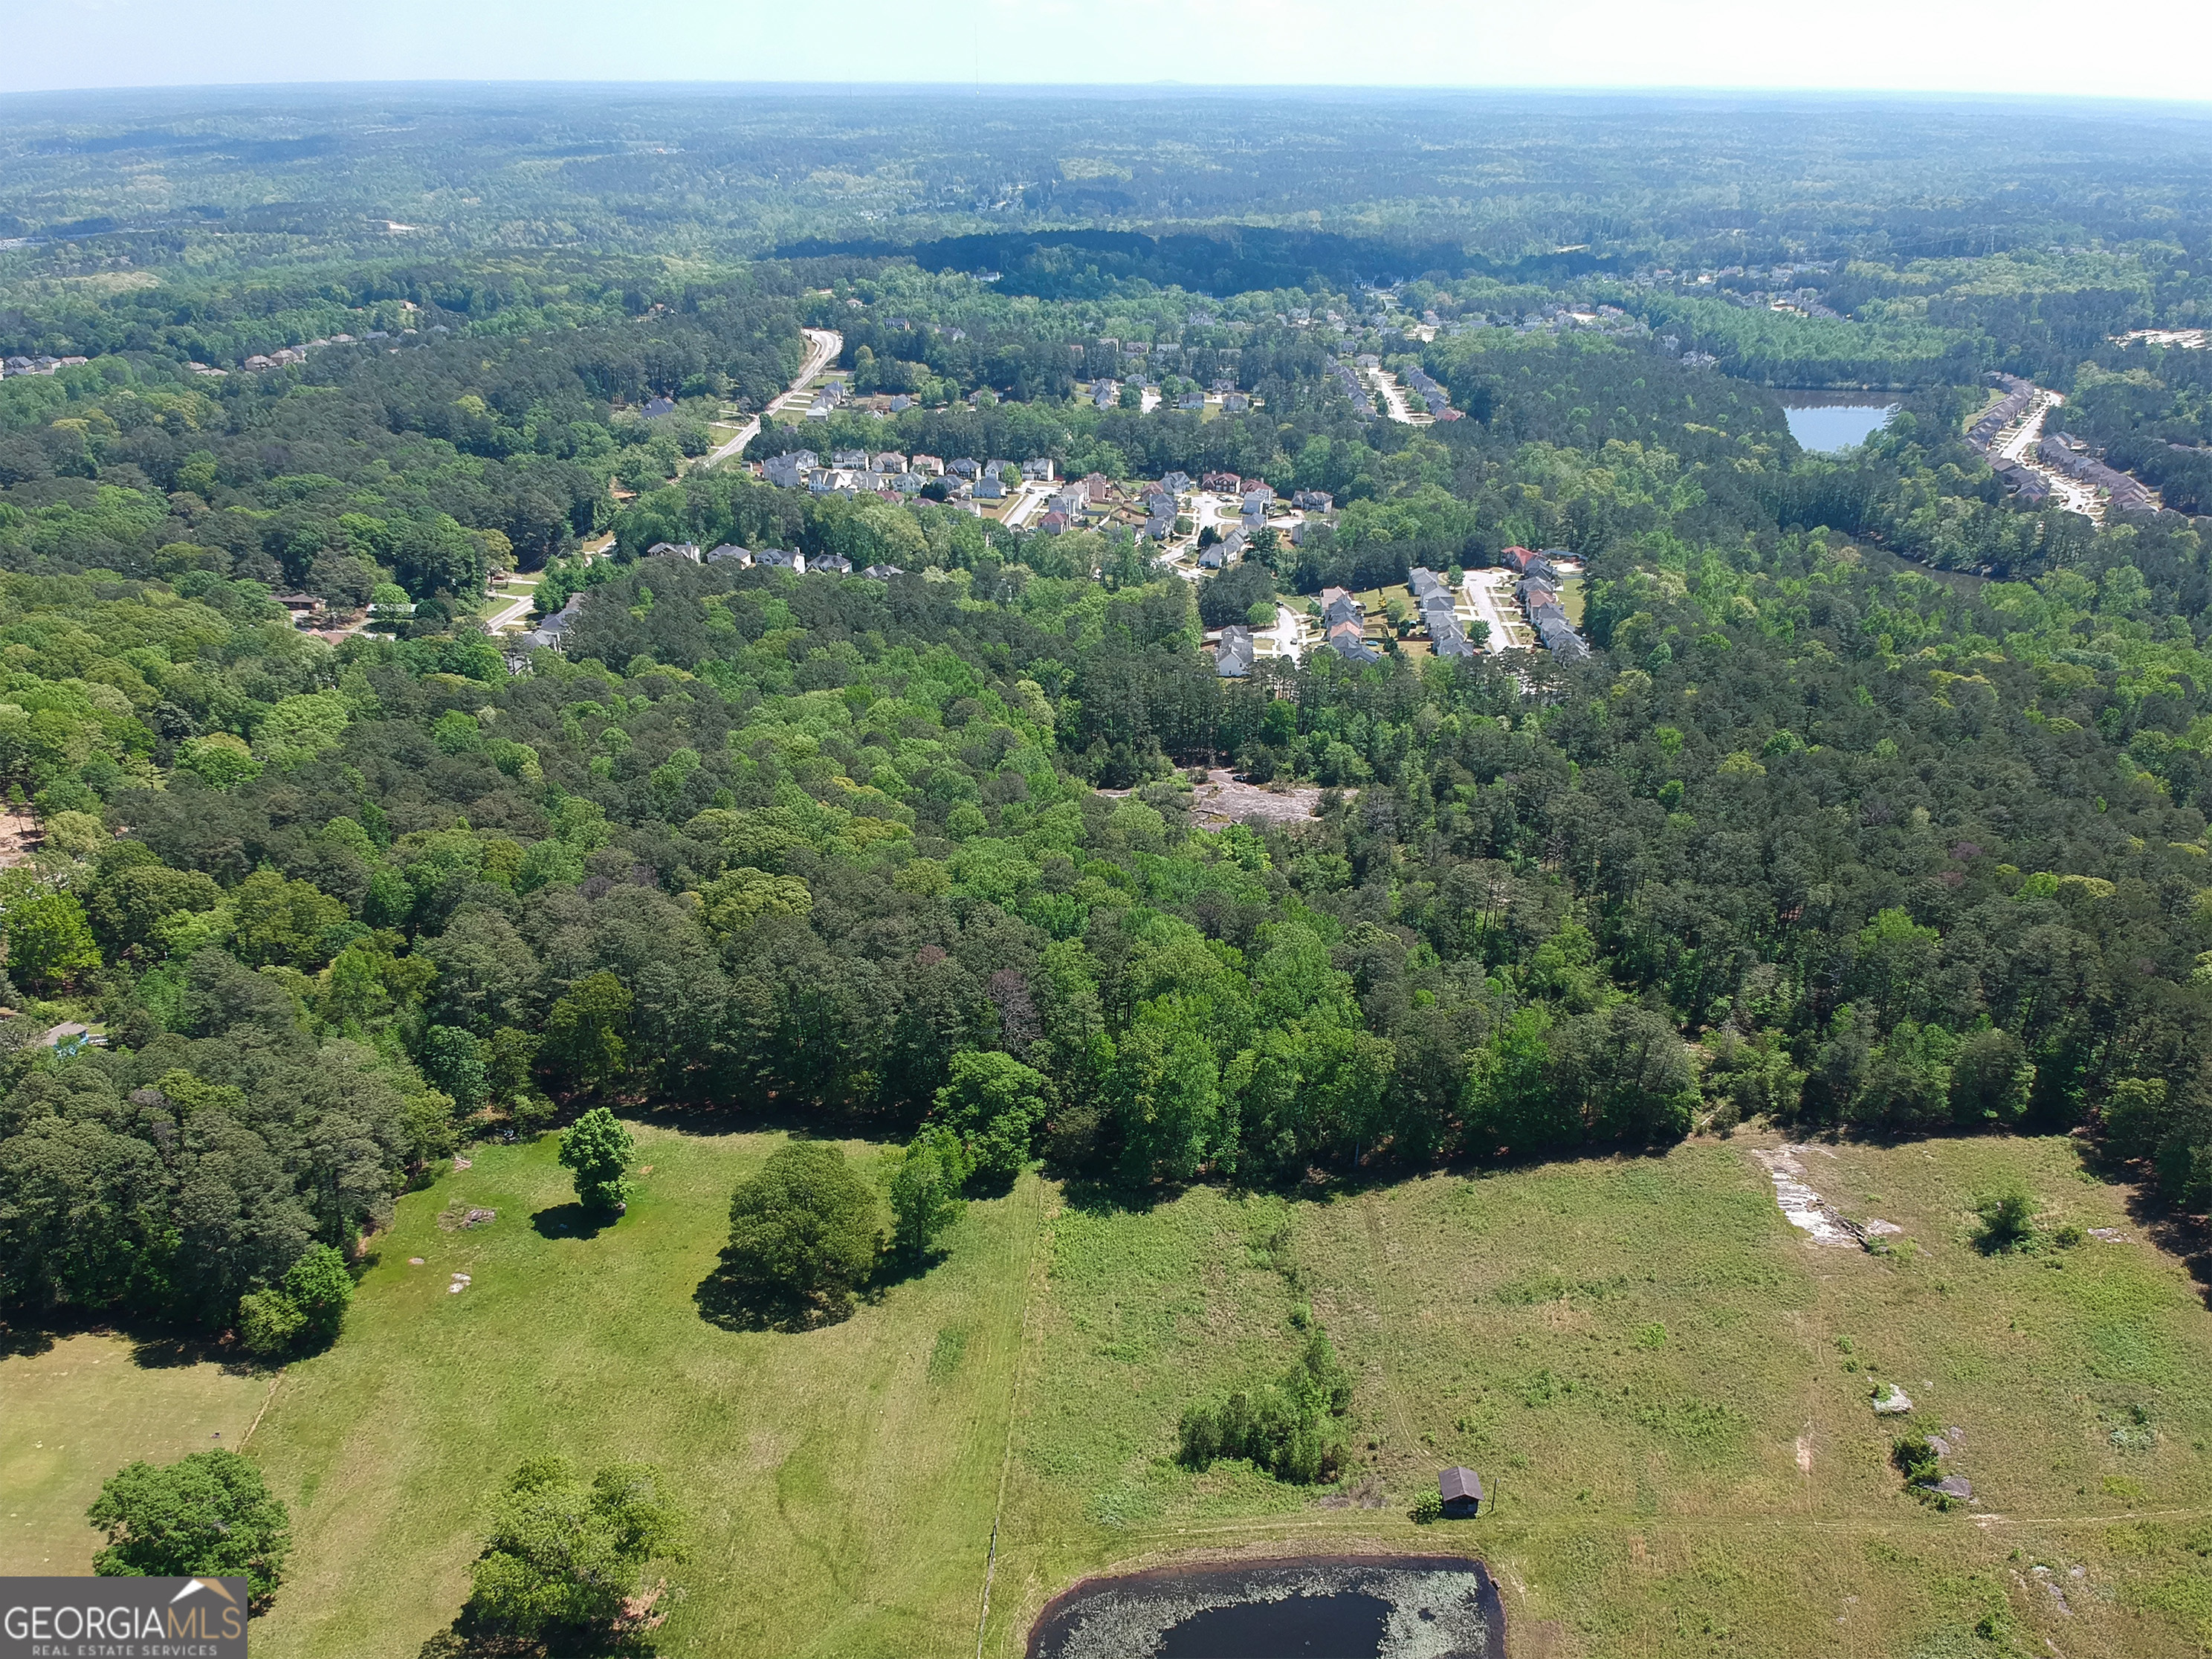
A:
(656, 407)
(1461, 1489)
(837, 562)
(674, 550)
(728, 553)
(551, 634)
(882, 573)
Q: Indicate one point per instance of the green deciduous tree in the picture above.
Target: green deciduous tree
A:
(926, 1190)
(208, 1513)
(567, 1557)
(601, 1153)
(304, 1311)
(807, 1227)
(994, 1103)
(50, 942)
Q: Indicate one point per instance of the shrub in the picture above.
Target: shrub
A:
(2007, 1221)
(1428, 1507)
(1288, 1428)
(1915, 1459)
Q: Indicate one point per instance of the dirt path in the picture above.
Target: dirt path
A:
(1379, 1276)
(20, 836)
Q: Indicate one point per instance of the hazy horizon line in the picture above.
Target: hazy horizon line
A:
(1124, 89)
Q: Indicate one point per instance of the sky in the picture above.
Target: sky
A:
(2148, 49)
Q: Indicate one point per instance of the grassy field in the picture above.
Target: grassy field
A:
(1668, 1391)
(840, 1481)
(1666, 1387)
(74, 1410)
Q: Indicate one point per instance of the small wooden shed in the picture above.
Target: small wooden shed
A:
(1461, 1491)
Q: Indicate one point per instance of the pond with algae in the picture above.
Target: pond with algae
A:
(1386, 1606)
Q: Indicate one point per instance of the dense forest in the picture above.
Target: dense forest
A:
(1880, 807)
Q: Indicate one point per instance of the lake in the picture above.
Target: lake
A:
(1382, 1606)
(1824, 423)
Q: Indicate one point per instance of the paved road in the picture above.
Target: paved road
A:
(1287, 636)
(827, 343)
(1394, 398)
(1491, 591)
(1033, 495)
(511, 615)
(2019, 447)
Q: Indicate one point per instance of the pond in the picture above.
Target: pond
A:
(1381, 1607)
(1826, 421)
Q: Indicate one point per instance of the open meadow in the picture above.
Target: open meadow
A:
(1665, 1385)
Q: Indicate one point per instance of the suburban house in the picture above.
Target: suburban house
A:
(928, 465)
(656, 407)
(1348, 642)
(882, 573)
(849, 460)
(674, 550)
(550, 634)
(1232, 659)
(1175, 483)
(888, 460)
(1225, 483)
(1038, 468)
(728, 553)
(780, 560)
(964, 467)
(1313, 501)
(990, 490)
(837, 562)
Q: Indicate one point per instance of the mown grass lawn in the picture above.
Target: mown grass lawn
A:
(841, 1480)
(75, 1409)
(1666, 1387)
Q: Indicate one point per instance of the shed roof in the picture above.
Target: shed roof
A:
(1457, 1483)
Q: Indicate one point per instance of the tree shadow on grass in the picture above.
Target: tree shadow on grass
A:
(571, 1220)
(732, 1303)
(464, 1640)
